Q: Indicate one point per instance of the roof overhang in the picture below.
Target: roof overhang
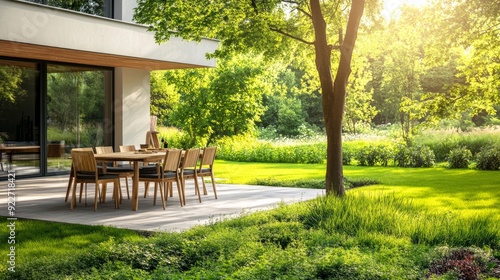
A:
(39, 32)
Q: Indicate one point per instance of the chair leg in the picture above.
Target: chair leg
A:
(197, 187)
(73, 195)
(81, 191)
(156, 191)
(117, 190)
(165, 186)
(126, 184)
(70, 182)
(179, 186)
(97, 191)
(183, 187)
(162, 197)
(118, 195)
(213, 185)
(146, 189)
(204, 187)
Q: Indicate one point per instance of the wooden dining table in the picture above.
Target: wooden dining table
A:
(136, 158)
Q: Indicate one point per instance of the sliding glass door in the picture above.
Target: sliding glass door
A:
(46, 109)
(79, 111)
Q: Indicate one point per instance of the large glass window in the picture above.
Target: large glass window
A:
(19, 117)
(79, 111)
(47, 109)
(94, 7)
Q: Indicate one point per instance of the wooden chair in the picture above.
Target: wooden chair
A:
(85, 171)
(123, 171)
(127, 148)
(189, 170)
(71, 174)
(152, 139)
(165, 175)
(207, 168)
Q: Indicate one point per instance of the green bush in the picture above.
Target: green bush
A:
(402, 156)
(372, 155)
(347, 155)
(443, 141)
(459, 158)
(248, 149)
(488, 159)
(421, 156)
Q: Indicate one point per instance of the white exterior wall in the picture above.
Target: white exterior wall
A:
(132, 98)
(30, 23)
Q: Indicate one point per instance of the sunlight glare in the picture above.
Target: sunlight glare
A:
(391, 6)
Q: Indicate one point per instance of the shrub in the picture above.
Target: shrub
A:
(417, 156)
(372, 155)
(347, 155)
(488, 159)
(402, 156)
(421, 156)
(459, 158)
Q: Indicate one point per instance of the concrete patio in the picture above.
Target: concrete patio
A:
(43, 199)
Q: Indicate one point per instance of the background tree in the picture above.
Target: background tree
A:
(271, 27)
(358, 109)
(163, 97)
(225, 101)
(465, 38)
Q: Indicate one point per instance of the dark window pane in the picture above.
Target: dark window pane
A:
(19, 118)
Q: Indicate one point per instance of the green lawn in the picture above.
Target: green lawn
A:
(413, 222)
(465, 190)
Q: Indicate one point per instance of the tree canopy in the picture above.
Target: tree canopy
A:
(420, 66)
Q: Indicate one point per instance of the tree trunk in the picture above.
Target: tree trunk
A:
(334, 93)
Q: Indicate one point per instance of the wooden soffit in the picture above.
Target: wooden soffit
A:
(37, 52)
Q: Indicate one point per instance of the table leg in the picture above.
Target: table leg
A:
(135, 187)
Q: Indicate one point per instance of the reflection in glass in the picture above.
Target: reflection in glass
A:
(93, 7)
(19, 118)
(78, 111)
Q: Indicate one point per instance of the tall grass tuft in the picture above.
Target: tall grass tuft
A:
(359, 214)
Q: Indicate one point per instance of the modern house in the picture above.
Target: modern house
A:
(76, 74)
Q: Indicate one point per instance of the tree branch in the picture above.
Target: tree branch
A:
(290, 35)
(304, 12)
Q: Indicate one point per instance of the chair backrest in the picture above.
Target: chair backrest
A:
(152, 139)
(103, 150)
(83, 161)
(127, 148)
(191, 158)
(208, 156)
(82, 149)
(172, 160)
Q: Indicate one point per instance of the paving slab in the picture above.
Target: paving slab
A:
(42, 198)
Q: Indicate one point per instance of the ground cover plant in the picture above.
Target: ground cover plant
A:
(416, 223)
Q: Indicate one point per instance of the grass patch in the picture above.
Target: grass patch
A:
(471, 192)
(358, 237)
(44, 243)
(417, 223)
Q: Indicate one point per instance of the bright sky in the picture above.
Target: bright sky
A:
(391, 5)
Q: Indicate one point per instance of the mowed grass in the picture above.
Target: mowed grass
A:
(470, 192)
(396, 229)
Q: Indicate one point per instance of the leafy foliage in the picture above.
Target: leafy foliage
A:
(488, 158)
(459, 158)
